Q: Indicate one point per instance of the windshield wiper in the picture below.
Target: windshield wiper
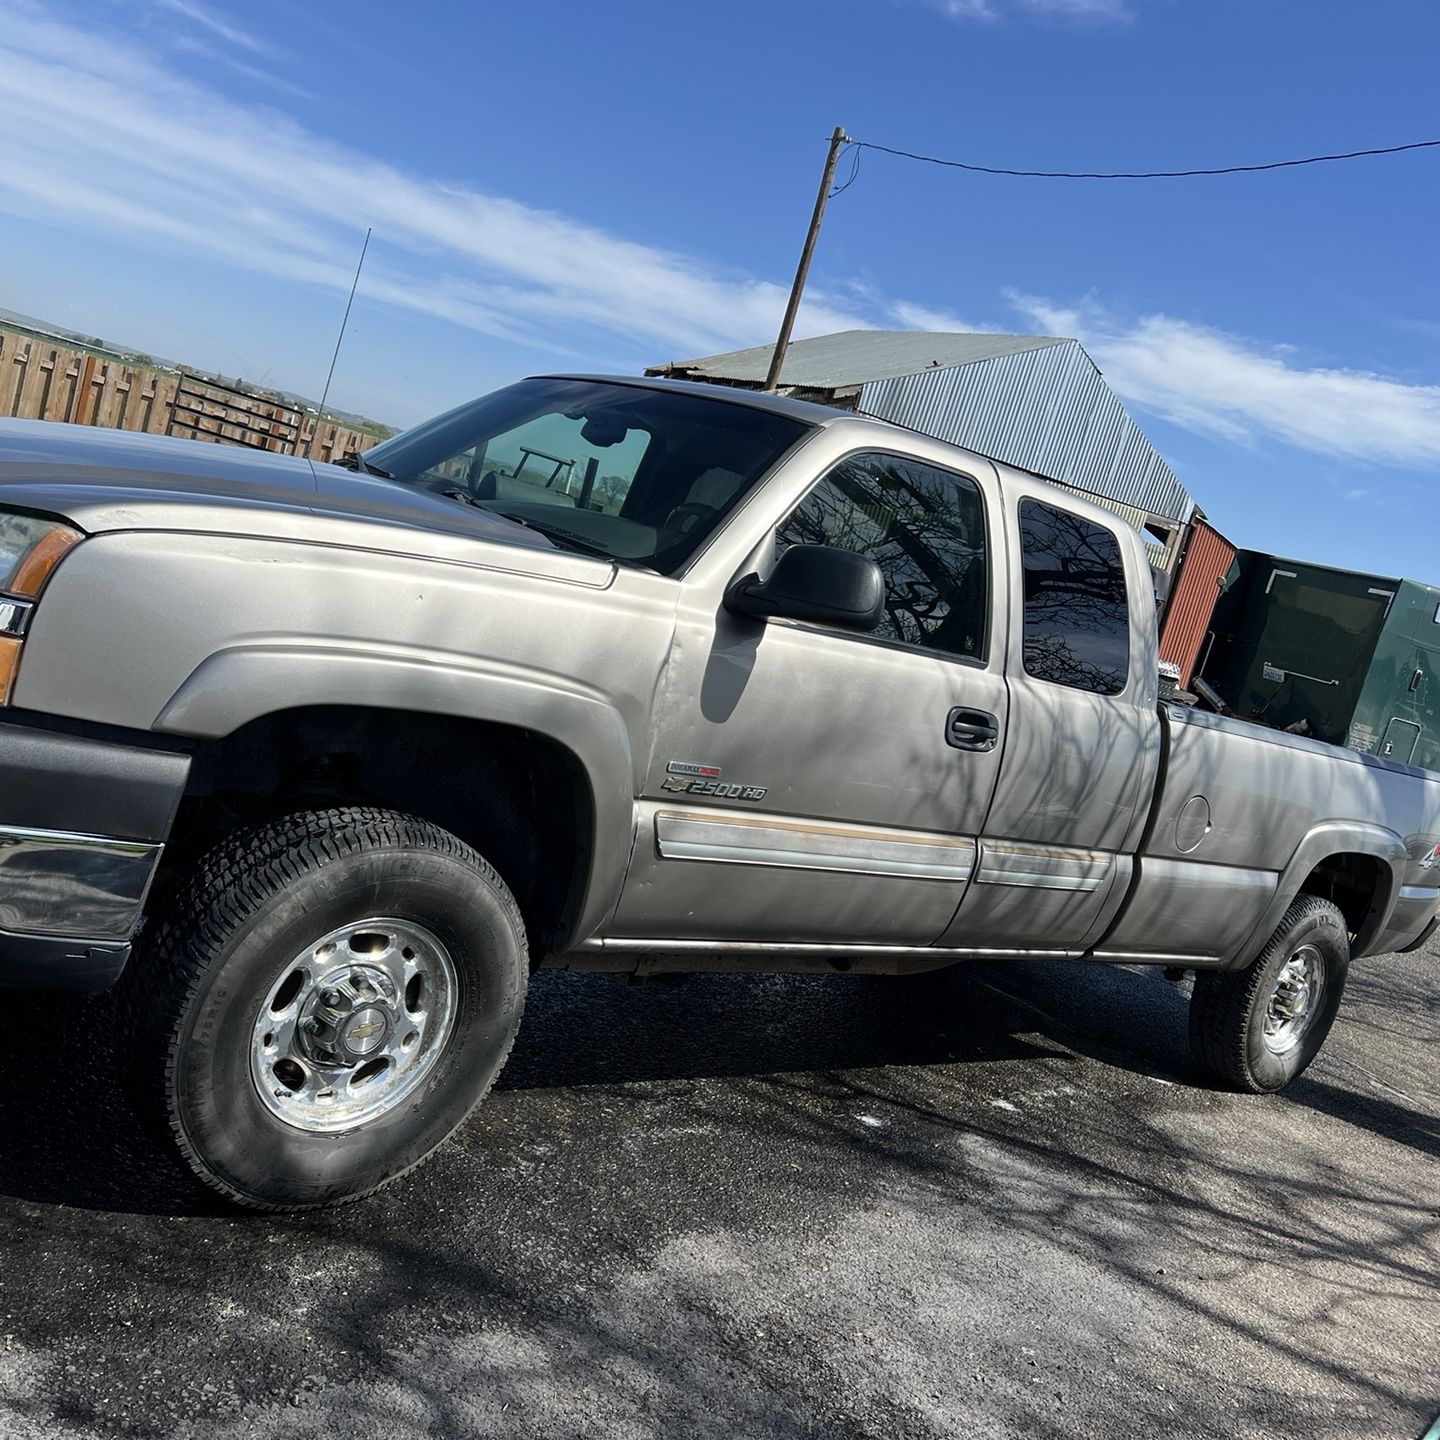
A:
(563, 539)
(354, 460)
(566, 539)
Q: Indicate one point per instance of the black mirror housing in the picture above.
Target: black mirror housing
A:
(814, 582)
(1161, 580)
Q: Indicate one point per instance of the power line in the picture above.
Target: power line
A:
(854, 170)
(1135, 174)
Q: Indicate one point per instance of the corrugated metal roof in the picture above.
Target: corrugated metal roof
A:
(853, 357)
(810, 411)
(1044, 409)
(1133, 516)
(1034, 401)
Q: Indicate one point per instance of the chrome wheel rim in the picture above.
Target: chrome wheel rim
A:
(1295, 1000)
(353, 1025)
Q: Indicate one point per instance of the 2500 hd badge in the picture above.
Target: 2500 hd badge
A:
(688, 779)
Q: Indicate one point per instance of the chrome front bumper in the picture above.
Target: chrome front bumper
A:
(83, 823)
(55, 882)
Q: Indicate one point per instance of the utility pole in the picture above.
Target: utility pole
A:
(782, 343)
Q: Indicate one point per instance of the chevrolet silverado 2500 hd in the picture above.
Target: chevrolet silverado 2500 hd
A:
(318, 762)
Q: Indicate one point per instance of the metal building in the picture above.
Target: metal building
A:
(1037, 402)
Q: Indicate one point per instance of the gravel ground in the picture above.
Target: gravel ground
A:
(992, 1202)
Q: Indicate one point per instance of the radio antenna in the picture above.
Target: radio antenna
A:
(344, 321)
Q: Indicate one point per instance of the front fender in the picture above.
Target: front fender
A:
(247, 682)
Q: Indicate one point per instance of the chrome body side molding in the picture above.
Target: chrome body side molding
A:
(1046, 867)
(793, 845)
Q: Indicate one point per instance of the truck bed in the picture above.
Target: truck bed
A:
(1234, 799)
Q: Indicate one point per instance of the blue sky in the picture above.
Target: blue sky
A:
(604, 186)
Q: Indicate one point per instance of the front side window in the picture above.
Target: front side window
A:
(925, 528)
(1077, 615)
(620, 471)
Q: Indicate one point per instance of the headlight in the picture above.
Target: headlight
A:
(30, 548)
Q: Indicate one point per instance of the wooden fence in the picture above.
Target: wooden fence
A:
(41, 381)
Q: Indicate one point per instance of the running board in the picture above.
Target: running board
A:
(650, 956)
(636, 956)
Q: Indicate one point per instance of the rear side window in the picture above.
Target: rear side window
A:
(1077, 615)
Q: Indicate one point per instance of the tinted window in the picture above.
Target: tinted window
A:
(1077, 618)
(924, 527)
(618, 470)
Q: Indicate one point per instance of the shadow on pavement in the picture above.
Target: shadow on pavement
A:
(68, 1137)
(645, 1212)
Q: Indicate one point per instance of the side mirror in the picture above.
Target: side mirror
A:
(814, 582)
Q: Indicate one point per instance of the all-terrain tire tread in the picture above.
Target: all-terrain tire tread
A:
(1222, 1001)
(226, 887)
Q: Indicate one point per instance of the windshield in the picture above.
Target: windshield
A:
(634, 474)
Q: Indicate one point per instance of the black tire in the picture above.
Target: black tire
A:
(1228, 1008)
(188, 1002)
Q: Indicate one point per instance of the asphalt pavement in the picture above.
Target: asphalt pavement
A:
(991, 1202)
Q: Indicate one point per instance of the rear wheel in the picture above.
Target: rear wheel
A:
(1258, 1028)
(328, 998)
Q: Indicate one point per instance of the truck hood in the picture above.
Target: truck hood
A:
(105, 480)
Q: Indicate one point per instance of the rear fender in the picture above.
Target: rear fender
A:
(1334, 838)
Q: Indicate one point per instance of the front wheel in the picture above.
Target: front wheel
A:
(328, 998)
(1258, 1028)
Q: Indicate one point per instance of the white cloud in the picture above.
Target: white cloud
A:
(139, 149)
(1241, 390)
(219, 41)
(218, 26)
(914, 316)
(967, 9)
(1081, 11)
(191, 45)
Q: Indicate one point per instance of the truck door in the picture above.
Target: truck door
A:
(811, 784)
(1082, 749)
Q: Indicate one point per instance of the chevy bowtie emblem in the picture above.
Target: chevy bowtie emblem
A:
(365, 1029)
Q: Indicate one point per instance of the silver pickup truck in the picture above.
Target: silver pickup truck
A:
(320, 762)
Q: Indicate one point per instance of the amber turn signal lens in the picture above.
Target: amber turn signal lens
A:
(9, 664)
(43, 557)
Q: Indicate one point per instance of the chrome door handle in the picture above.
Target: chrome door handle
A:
(968, 729)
